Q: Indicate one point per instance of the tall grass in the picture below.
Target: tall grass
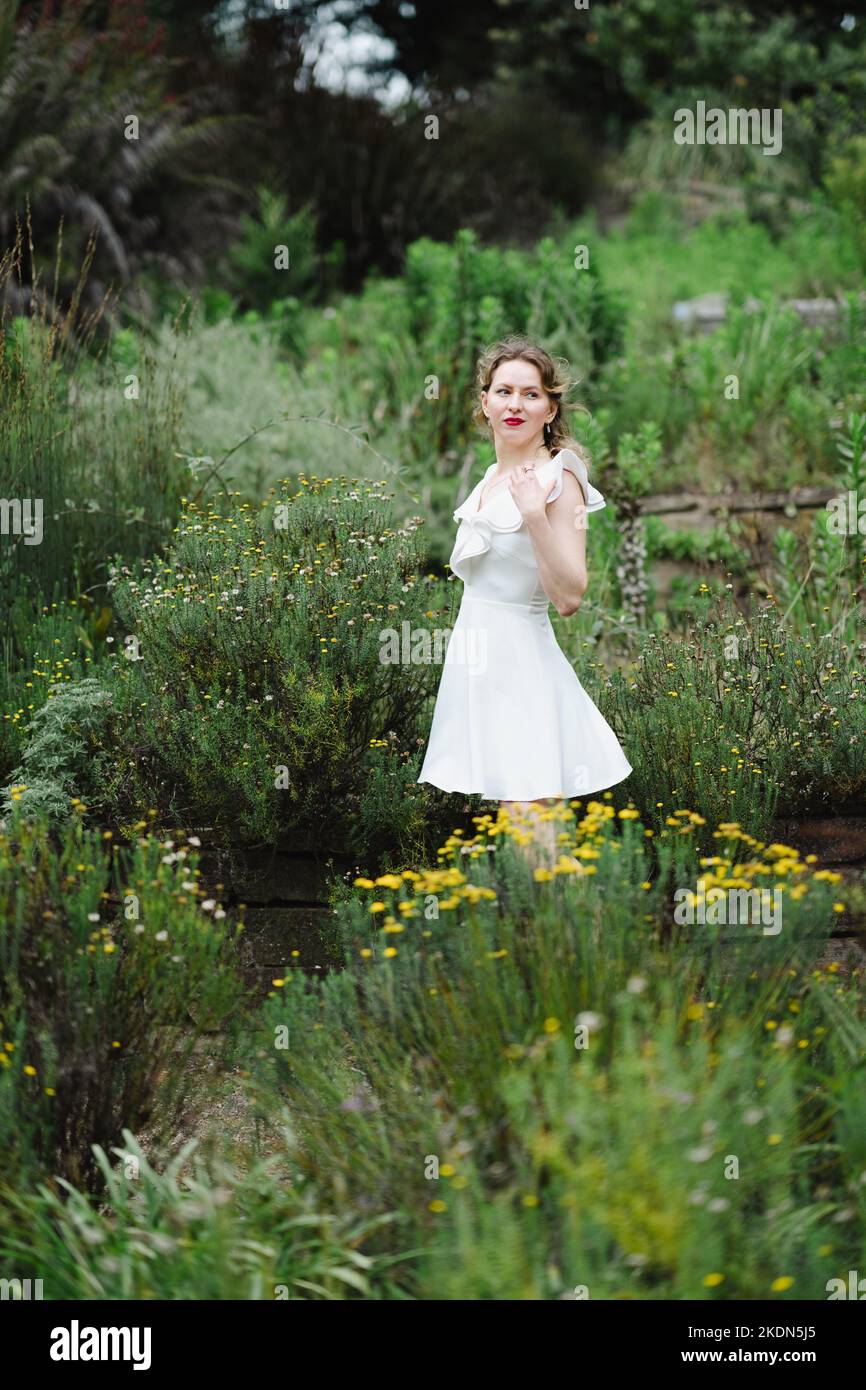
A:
(93, 441)
(527, 1083)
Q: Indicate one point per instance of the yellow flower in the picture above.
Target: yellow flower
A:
(711, 1281)
(363, 883)
(437, 1205)
(552, 1025)
(783, 1282)
(447, 1170)
(376, 907)
(530, 1200)
(390, 951)
(389, 881)
(29, 1071)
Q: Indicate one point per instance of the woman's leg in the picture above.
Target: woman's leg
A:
(543, 850)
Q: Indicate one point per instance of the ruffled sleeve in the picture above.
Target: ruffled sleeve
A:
(567, 458)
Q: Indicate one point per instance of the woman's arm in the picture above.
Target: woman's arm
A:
(558, 535)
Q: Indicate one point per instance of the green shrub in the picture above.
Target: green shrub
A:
(64, 753)
(769, 352)
(519, 1084)
(102, 953)
(258, 700)
(39, 654)
(252, 272)
(845, 181)
(744, 717)
(842, 362)
(235, 381)
(440, 1075)
(719, 545)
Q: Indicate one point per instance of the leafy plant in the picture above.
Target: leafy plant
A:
(845, 181)
(64, 752)
(101, 957)
(745, 717)
(261, 696)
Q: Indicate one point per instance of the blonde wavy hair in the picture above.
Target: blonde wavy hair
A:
(555, 379)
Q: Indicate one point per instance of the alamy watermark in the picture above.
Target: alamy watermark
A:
(718, 906)
(846, 515)
(20, 1289)
(22, 516)
(463, 645)
(735, 126)
(855, 1288)
(77, 1343)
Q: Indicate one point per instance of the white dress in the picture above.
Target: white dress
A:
(512, 721)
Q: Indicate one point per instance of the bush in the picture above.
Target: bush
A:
(64, 752)
(845, 181)
(744, 718)
(258, 700)
(41, 654)
(252, 274)
(541, 1072)
(522, 1082)
(102, 953)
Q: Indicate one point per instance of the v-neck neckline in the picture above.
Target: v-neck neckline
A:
(482, 505)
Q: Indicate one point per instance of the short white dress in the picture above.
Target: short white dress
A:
(512, 722)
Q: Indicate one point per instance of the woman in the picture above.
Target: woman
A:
(517, 726)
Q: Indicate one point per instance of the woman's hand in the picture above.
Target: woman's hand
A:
(529, 496)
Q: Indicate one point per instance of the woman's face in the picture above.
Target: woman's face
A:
(516, 393)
